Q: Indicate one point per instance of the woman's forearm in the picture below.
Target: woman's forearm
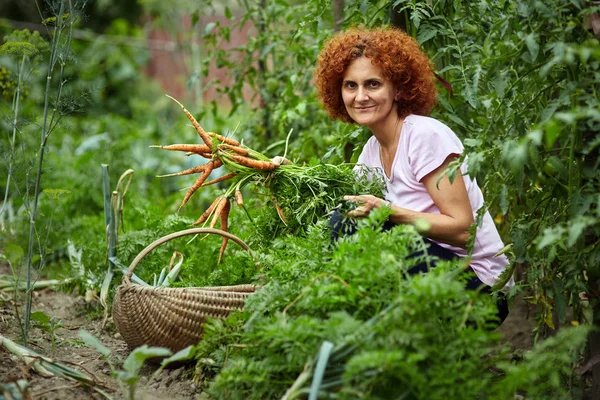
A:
(439, 227)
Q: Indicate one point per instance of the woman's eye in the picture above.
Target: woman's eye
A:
(374, 84)
(350, 85)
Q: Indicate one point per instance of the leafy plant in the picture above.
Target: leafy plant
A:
(419, 336)
(47, 324)
(129, 374)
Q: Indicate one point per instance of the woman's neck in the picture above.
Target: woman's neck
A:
(387, 132)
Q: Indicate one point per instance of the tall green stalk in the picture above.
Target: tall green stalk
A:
(47, 129)
(14, 131)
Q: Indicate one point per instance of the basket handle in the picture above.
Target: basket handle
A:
(174, 235)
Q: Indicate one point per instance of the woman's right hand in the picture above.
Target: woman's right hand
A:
(365, 203)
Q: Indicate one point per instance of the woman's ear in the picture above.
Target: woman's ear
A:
(397, 96)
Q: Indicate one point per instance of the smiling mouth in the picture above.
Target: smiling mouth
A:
(363, 108)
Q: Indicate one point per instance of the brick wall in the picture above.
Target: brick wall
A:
(171, 65)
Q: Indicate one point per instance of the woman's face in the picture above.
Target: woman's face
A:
(367, 94)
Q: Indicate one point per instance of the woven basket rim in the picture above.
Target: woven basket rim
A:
(192, 231)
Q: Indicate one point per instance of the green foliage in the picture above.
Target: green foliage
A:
(24, 43)
(542, 373)
(301, 195)
(421, 336)
(281, 98)
(525, 83)
(129, 374)
(47, 324)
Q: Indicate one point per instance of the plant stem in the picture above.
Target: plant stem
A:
(14, 133)
(42, 150)
(132, 391)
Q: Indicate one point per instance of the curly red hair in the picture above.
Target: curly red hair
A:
(396, 53)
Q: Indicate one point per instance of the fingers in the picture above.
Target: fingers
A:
(360, 212)
(363, 208)
(363, 200)
(364, 203)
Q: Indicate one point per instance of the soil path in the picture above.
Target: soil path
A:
(74, 312)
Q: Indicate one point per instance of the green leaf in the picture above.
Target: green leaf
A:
(504, 199)
(532, 45)
(228, 13)
(209, 27)
(515, 154)
(552, 131)
(550, 236)
(548, 318)
(422, 225)
(134, 362)
(500, 83)
(40, 317)
(504, 277)
(92, 341)
(472, 142)
(13, 254)
(575, 230)
(126, 377)
(182, 355)
(425, 33)
(315, 386)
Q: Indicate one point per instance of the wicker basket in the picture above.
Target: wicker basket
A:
(172, 317)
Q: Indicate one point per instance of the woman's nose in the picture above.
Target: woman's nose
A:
(361, 94)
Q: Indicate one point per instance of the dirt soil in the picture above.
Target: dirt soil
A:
(172, 384)
(73, 311)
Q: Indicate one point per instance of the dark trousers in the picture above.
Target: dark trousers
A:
(343, 226)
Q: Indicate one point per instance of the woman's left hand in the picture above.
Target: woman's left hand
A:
(364, 204)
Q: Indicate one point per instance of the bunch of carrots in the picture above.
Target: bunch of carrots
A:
(219, 150)
(307, 192)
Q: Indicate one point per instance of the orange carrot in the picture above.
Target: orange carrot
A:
(218, 210)
(239, 200)
(208, 211)
(194, 170)
(205, 155)
(279, 209)
(209, 167)
(224, 216)
(224, 139)
(191, 148)
(256, 164)
(217, 162)
(205, 137)
(239, 150)
(220, 179)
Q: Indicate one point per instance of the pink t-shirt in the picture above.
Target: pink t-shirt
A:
(424, 145)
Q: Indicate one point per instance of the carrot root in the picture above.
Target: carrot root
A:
(224, 139)
(198, 183)
(279, 210)
(239, 200)
(218, 210)
(205, 137)
(190, 148)
(194, 170)
(224, 217)
(237, 149)
(220, 179)
(208, 211)
(250, 163)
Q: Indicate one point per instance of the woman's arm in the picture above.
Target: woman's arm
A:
(451, 226)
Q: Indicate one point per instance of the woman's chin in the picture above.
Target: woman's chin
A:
(361, 120)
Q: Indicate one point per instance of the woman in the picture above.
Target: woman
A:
(381, 79)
